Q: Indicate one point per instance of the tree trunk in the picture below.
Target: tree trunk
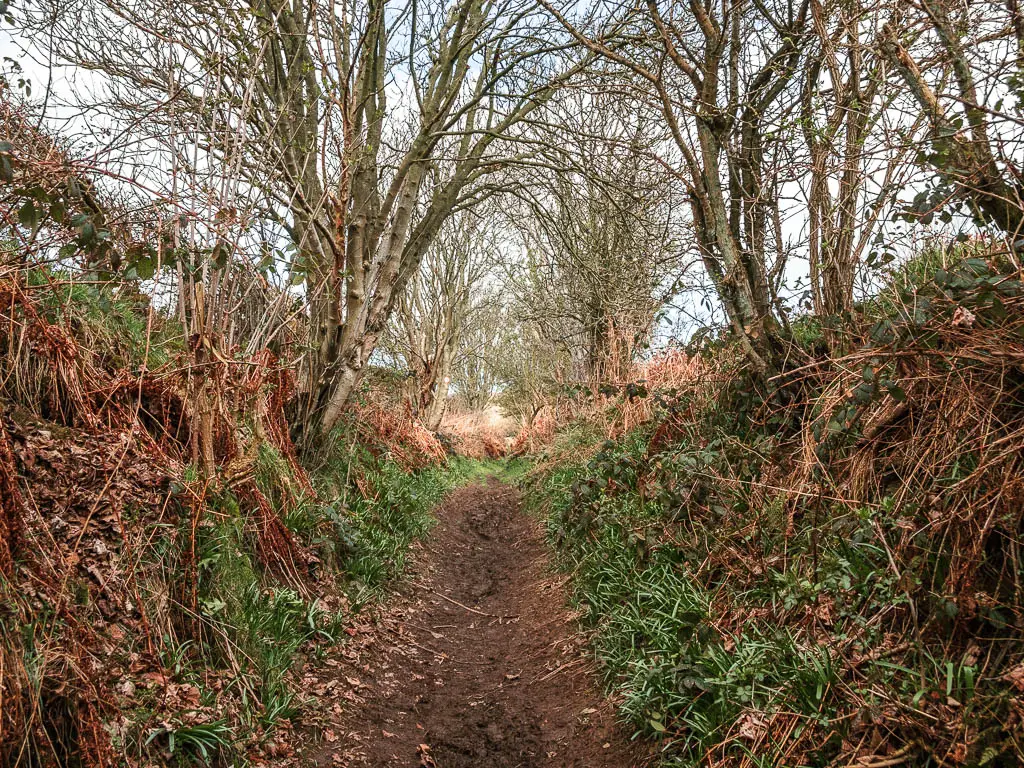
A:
(438, 401)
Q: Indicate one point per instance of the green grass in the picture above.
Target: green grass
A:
(512, 470)
(190, 742)
(385, 524)
(679, 678)
(248, 620)
(111, 320)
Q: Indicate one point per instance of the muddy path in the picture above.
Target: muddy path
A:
(477, 663)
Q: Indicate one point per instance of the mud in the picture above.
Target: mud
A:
(477, 663)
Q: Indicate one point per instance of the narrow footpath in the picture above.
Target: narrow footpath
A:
(477, 663)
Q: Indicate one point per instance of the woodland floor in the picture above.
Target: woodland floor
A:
(430, 682)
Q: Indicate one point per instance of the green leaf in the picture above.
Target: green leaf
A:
(28, 215)
(145, 267)
(266, 262)
(86, 233)
(863, 393)
(220, 256)
(990, 754)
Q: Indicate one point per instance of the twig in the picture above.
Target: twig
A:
(409, 641)
(556, 670)
(897, 757)
(472, 610)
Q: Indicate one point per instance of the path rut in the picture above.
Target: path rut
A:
(477, 663)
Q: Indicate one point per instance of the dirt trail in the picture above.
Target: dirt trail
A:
(440, 680)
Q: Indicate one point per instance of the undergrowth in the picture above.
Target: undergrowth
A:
(260, 627)
(152, 613)
(387, 510)
(830, 581)
(108, 319)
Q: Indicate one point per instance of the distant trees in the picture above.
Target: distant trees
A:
(430, 328)
(603, 245)
(489, 343)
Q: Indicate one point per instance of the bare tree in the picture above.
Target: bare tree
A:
(438, 305)
(842, 100)
(724, 77)
(957, 61)
(355, 128)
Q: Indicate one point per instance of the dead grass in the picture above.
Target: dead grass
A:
(98, 476)
(613, 408)
(478, 434)
(385, 425)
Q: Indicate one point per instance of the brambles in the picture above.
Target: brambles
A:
(746, 274)
(151, 610)
(783, 587)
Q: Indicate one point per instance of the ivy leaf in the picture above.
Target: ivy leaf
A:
(86, 233)
(220, 255)
(267, 262)
(28, 215)
(145, 267)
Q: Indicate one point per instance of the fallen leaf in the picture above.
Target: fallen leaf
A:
(752, 726)
(423, 750)
(963, 318)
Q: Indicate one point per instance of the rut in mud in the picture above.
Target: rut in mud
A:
(478, 663)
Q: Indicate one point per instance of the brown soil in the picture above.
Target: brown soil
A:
(500, 681)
